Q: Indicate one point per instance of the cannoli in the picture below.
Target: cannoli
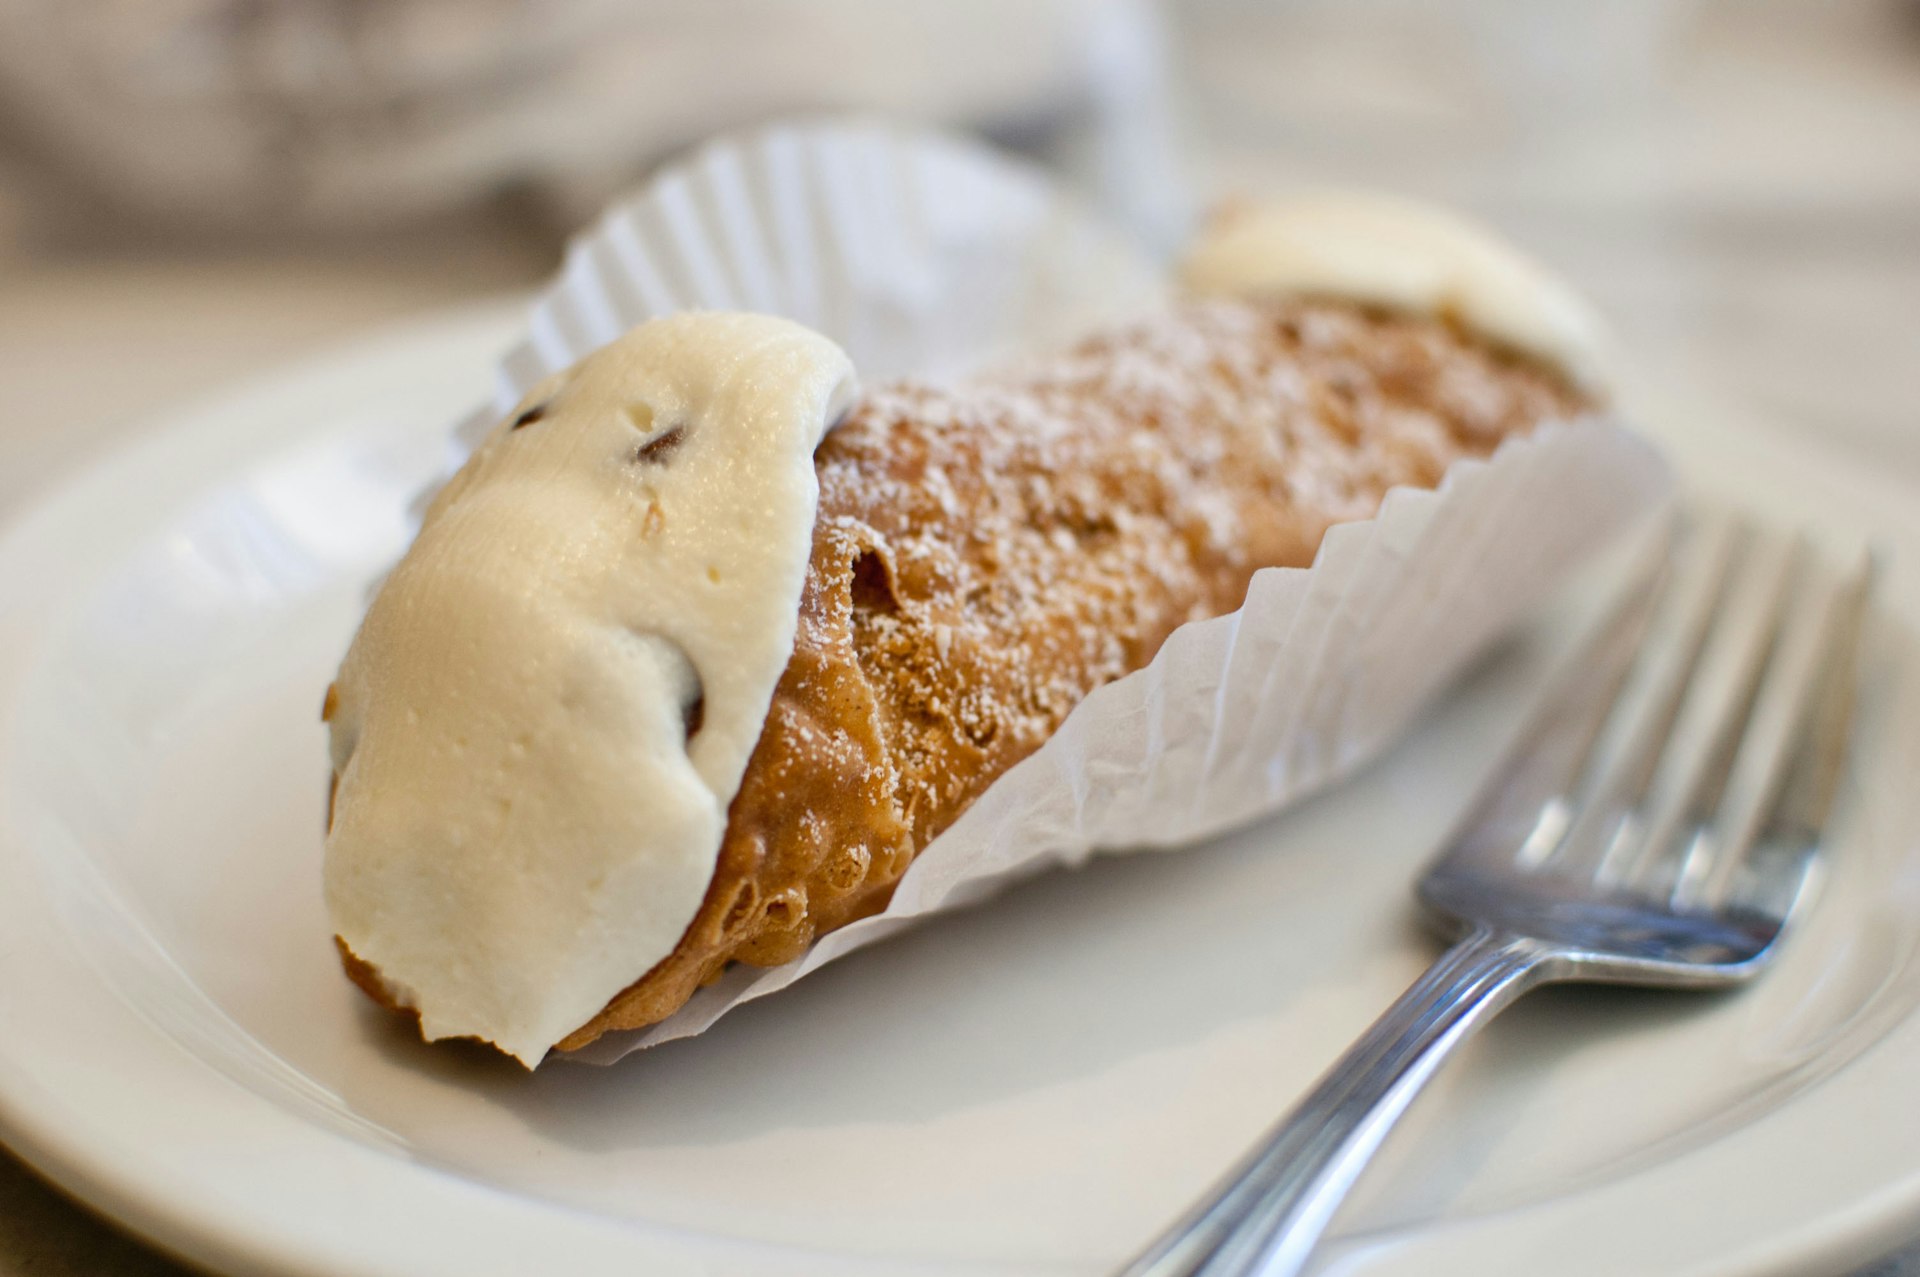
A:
(705, 644)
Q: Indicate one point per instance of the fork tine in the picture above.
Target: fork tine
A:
(1621, 761)
(1809, 796)
(1693, 764)
(1802, 711)
(1528, 791)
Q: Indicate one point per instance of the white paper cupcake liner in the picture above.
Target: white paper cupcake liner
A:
(927, 255)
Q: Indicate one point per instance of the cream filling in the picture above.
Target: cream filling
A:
(523, 824)
(1403, 256)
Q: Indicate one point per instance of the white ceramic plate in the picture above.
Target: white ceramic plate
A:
(1031, 1087)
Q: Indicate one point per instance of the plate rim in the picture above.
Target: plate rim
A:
(139, 1191)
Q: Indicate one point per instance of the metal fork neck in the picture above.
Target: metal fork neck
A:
(1266, 1216)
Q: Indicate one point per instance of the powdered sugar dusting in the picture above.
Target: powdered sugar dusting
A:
(1122, 487)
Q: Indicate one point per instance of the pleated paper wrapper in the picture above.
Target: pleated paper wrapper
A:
(925, 255)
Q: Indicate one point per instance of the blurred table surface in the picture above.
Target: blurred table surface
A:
(1743, 199)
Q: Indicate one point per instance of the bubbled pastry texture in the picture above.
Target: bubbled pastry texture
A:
(987, 554)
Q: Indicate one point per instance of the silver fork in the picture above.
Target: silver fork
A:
(1655, 824)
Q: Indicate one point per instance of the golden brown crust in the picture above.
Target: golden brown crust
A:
(986, 556)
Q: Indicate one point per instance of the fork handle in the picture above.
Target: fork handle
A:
(1265, 1217)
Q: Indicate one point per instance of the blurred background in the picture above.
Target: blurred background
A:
(192, 191)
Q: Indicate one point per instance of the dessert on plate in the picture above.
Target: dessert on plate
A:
(707, 642)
